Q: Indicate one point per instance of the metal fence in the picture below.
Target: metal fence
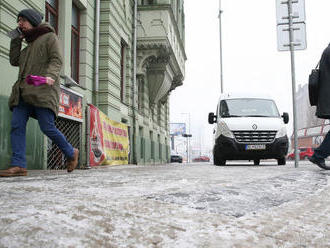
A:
(72, 131)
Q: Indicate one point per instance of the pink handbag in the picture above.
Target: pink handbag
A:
(35, 80)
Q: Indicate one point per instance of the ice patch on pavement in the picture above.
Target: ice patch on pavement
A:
(247, 197)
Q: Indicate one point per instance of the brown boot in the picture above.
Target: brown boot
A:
(13, 172)
(71, 163)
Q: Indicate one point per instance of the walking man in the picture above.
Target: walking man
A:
(41, 57)
(323, 109)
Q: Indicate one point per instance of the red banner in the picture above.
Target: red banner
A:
(97, 155)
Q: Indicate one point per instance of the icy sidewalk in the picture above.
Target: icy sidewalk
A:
(168, 206)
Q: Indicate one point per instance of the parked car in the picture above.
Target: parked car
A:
(304, 153)
(176, 158)
(201, 159)
(248, 128)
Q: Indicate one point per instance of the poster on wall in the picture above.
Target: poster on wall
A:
(70, 105)
(109, 143)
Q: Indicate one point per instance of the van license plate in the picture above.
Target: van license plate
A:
(255, 147)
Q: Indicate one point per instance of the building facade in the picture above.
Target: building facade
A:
(305, 112)
(311, 130)
(124, 57)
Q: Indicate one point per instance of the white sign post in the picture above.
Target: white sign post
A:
(296, 15)
(291, 35)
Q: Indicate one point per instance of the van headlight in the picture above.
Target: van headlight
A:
(224, 130)
(280, 133)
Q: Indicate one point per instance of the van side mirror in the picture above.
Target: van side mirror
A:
(212, 118)
(285, 117)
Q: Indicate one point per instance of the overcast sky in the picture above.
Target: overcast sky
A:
(251, 61)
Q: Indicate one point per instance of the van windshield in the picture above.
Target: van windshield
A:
(248, 107)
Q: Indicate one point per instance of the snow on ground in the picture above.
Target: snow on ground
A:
(196, 205)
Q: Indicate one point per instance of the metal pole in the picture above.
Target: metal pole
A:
(293, 83)
(189, 148)
(172, 142)
(187, 143)
(220, 29)
(97, 49)
(188, 138)
(88, 131)
(134, 145)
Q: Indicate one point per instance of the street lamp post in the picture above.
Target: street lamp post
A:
(220, 33)
(188, 136)
(293, 79)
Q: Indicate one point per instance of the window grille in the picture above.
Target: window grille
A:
(72, 131)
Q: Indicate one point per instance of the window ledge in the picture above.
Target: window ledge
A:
(69, 82)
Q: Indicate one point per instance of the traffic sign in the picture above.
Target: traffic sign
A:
(291, 36)
(299, 36)
(282, 13)
(297, 24)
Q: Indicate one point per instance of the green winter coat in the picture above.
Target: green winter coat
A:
(41, 57)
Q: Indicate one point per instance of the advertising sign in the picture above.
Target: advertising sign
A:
(70, 105)
(177, 129)
(109, 144)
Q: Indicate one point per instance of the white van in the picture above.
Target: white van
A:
(248, 128)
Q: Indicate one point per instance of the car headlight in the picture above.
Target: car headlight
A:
(280, 133)
(224, 130)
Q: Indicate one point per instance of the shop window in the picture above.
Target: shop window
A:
(75, 37)
(51, 15)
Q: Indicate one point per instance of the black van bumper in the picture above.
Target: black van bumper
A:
(229, 149)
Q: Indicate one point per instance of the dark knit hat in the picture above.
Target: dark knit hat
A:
(33, 16)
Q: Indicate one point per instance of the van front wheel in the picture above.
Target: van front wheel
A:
(218, 161)
(281, 161)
